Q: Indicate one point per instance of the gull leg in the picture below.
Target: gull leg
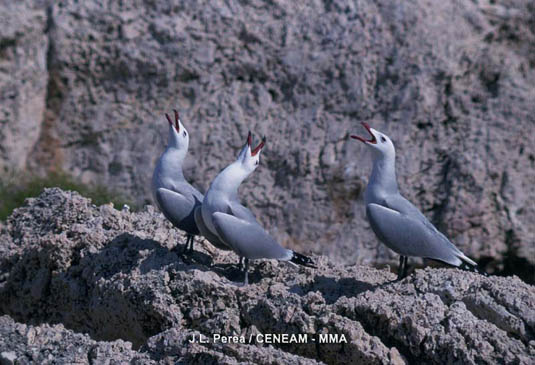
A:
(246, 281)
(405, 266)
(192, 241)
(185, 249)
(401, 267)
(188, 239)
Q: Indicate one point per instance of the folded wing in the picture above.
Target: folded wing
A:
(411, 237)
(177, 209)
(248, 239)
(212, 238)
(239, 211)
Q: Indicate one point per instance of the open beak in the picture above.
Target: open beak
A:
(177, 127)
(259, 147)
(249, 139)
(362, 139)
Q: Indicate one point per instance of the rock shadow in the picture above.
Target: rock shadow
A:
(334, 288)
(125, 253)
(93, 288)
(234, 274)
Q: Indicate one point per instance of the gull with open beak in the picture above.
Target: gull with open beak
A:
(175, 197)
(395, 221)
(232, 223)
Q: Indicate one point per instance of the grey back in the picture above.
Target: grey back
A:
(248, 239)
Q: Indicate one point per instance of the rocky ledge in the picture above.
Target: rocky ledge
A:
(87, 284)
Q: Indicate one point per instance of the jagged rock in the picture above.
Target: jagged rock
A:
(114, 276)
(54, 344)
(451, 83)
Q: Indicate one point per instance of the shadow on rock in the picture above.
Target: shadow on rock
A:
(332, 288)
(195, 258)
(108, 290)
(127, 252)
(234, 274)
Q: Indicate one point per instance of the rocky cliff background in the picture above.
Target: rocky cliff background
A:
(84, 87)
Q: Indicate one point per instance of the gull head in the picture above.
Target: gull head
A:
(249, 157)
(178, 135)
(380, 143)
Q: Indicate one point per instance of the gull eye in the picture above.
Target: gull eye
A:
(383, 139)
(184, 133)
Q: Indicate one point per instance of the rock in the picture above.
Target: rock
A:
(23, 81)
(111, 289)
(451, 83)
(54, 344)
(8, 358)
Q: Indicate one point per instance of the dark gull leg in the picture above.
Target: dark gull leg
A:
(401, 267)
(406, 266)
(185, 250)
(246, 281)
(192, 241)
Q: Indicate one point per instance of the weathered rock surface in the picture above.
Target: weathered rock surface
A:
(53, 344)
(452, 83)
(89, 283)
(23, 80)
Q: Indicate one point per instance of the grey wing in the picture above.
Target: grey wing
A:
(238, 210)
(186, 188)
(409, 236)
(212, 238)
(248, 239)
(174, 206)
(402, 205)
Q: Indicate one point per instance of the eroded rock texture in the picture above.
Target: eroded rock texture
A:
(23, 80)
(68, 267)
(450, 82)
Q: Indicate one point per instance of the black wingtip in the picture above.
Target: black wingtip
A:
(473, 268)
(303, 260)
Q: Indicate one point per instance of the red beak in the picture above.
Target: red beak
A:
(177, 127)
(249, 139)
(259, 147)
(362, 139)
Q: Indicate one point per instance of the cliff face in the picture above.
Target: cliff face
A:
(451, 83)
(92, 283)
(23, 80)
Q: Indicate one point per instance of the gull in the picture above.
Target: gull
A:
(395, 220)
(175, 197)
(233, 224)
